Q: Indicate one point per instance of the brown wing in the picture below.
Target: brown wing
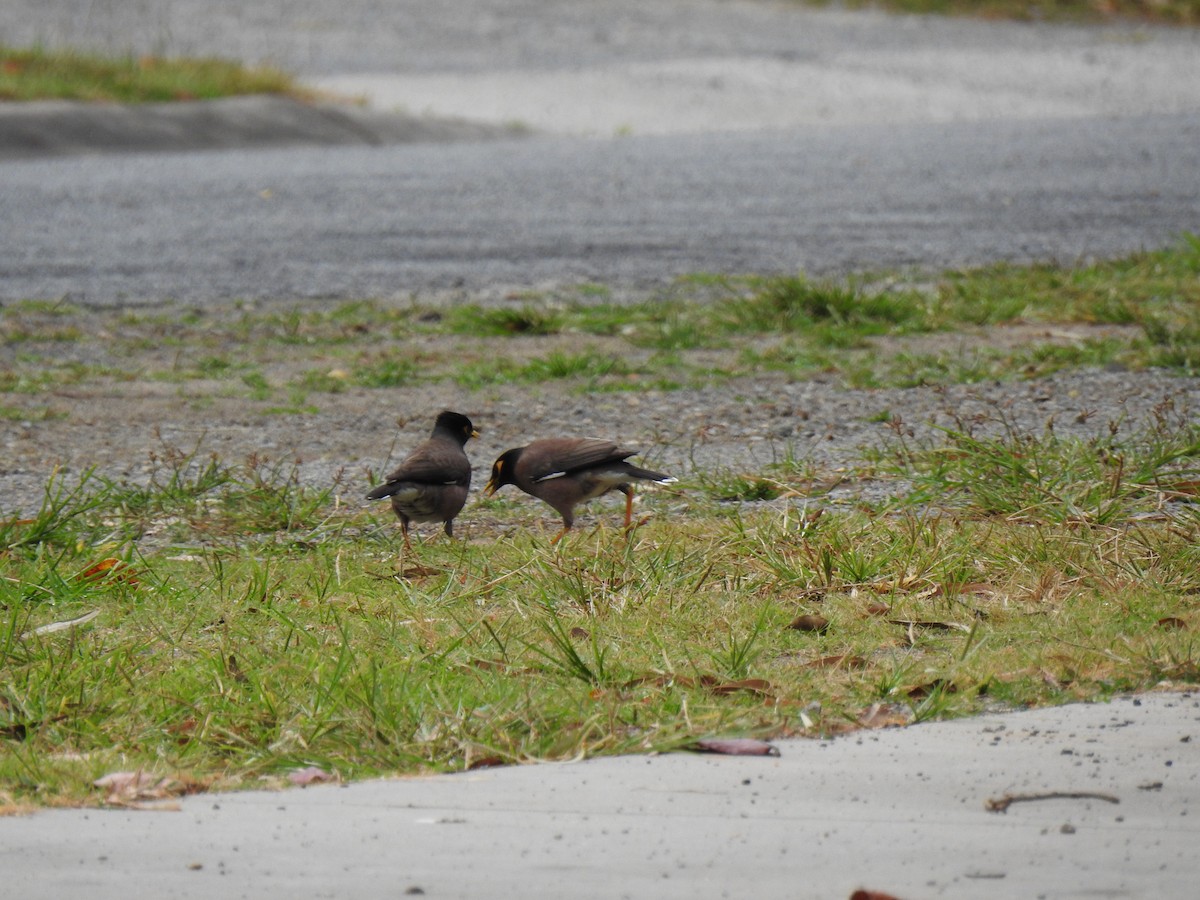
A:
(565, 456)
(433, 462)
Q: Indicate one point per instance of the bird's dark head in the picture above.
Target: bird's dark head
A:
(503, 471)
(456, 425)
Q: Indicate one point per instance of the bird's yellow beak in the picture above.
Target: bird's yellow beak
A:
(475, 432)
(490, 488)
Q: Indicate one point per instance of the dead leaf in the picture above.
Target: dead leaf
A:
(752, 685)
(487, 762)
(132, 789)
(580, 634)
(934, 626)
(810, 622)
(1050, 679)
(61, 626)
(921, 691)
(877, 609)
(1184, 488)
(109, 569)
(490, 665)
(885, 715)
(860, 894)
(734, 747)
(978, 588)
(418, 571)
(1172, 622)
(310, 775)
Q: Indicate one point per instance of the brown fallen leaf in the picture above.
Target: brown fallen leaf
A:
(733, 747)
(310, 775)
(418, 571)
(860, 894)
(1172, 622)
(751, 685)
(109, 569)
(487, 762)
(935, 626)
(979, 588)
(132, 788)
(921, 691)
(1186, 488)
(810, 622)
(885, 715)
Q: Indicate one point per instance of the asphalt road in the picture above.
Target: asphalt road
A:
(750, 137)
(386, 221)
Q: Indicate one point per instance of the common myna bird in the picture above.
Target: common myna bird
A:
(431, 484)
(565, 472)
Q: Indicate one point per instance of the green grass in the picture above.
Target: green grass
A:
(221, 622)
(246, 625)
(40, 74)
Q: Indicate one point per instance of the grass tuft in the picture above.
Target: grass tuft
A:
(41, 74)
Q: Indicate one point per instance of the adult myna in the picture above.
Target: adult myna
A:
(565, 472)
(431, 484)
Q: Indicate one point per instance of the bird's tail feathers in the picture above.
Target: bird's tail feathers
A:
(647, 475)
(387, 489)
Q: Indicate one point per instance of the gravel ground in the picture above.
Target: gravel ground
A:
(118, 425)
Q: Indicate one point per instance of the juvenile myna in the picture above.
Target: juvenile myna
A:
(565, 472)
(431, 484)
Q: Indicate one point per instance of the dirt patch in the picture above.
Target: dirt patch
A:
(86, 390)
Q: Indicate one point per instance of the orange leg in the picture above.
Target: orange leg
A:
(630, 525)
(558, 537)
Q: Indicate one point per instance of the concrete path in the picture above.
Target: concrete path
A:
(901, 811)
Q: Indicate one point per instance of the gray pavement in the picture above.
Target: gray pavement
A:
(903, 811)
(751, 137)
(503, 217)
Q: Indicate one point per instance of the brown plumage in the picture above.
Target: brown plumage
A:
(431, 484)
(565, 472)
